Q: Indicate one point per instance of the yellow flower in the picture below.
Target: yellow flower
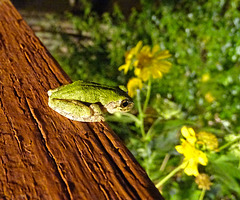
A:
(192, 156)
(189, 134)
(208, 139)
(203, 181)
(133, 85)
(205, 77)
(130, 58)
(146, 61)
(209, 97)
(126, 66)
(150, 63)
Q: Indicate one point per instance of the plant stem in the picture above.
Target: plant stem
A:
(202, 194)
(229, 143)
(164, 163)
(165, 179)
(148, 95)
(150, 130)
(141, 114)
(133, 117)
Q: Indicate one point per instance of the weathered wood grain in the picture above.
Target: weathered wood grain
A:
(44, 155)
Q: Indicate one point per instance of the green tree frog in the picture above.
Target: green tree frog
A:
(87, 101)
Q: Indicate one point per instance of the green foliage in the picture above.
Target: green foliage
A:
(227, 181)
(202, 89)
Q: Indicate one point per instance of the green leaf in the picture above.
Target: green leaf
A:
(226, 170)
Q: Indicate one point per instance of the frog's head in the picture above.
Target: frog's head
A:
(122, 105)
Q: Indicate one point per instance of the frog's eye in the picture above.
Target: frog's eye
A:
(124, 103)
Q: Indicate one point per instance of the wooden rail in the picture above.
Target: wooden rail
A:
(42, 154)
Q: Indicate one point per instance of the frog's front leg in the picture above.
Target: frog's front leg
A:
(97, 113)
(76, 110)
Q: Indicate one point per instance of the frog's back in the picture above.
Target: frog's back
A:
(88, 92)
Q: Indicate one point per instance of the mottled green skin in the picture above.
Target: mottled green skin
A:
(89, 92)
(86, 101)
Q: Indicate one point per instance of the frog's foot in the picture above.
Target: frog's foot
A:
(95, 118)
(97, 114)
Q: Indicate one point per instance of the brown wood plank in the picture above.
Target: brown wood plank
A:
(44, 155)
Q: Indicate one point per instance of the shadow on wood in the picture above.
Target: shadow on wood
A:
(43, 154)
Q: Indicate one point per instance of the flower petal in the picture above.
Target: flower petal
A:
(189, 134)
(202, 158)
(133, 85)
(191, 168)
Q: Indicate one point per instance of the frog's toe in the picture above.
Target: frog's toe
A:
(95, 118)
